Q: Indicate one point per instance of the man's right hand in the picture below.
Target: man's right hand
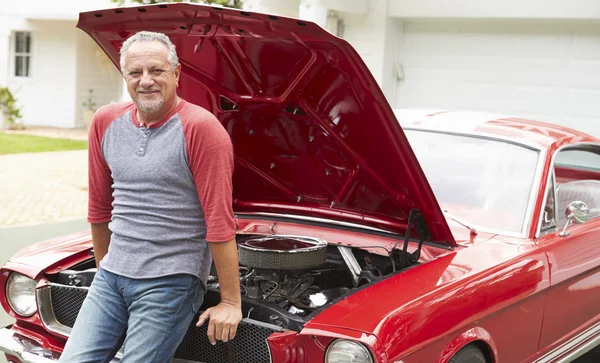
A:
(223, 322)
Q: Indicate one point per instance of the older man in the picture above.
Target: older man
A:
(160, 201)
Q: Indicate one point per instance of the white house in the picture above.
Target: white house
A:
(536, 58)
(50, 65)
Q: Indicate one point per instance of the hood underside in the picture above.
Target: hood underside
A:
(312, 132)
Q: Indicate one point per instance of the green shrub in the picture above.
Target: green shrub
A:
(8, 106)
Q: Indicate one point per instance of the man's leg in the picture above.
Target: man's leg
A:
(160, 313)
(101, 324)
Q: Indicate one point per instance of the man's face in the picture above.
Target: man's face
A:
(151, 80)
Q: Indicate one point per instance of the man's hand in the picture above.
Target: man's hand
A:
(223, 321)
(225, 317)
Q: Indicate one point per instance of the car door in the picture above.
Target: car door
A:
(573, 300)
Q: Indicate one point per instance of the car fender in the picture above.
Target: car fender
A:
(469, 336)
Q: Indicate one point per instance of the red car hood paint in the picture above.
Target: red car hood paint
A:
(312, 131)
(40, 256)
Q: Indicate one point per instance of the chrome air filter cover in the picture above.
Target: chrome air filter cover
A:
(282, 253)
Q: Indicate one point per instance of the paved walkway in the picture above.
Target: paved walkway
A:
(42, 187)
(74, 134)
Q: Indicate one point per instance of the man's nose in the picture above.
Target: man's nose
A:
(146, 81)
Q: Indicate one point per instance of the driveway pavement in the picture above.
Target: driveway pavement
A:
(42, 187)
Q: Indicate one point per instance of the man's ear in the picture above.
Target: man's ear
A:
(177, 74)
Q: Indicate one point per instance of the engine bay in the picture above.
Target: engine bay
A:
(286, 280)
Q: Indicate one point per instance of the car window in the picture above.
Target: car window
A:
(580, 159)
(485, 182)
(578, 175)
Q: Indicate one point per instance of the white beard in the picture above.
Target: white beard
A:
(150, 106)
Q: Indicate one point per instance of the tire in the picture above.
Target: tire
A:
(469, 354)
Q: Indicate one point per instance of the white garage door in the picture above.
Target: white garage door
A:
(544, 71)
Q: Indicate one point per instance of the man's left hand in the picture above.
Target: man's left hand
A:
(223, 321)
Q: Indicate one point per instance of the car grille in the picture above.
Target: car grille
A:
(249, 345)
(66, 302)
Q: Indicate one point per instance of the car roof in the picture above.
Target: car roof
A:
(539, 135)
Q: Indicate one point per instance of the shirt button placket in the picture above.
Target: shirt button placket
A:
(143, 145)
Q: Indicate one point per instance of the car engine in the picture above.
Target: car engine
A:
(285, 280)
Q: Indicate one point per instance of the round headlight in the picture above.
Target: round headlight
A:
(347, 351)
(20, 293)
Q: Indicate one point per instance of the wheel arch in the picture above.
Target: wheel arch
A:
(476, 336)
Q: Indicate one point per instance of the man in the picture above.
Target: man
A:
(160, 172)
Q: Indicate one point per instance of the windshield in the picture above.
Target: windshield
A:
(484, 182)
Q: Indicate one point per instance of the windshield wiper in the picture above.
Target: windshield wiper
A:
(461, 222)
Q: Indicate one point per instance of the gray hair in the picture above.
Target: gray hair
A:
(150, 36)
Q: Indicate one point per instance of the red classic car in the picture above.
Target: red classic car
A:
(456, 237)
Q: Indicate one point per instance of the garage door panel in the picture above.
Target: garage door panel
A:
(463, 95)
(450, 74)
(453, 61)
(550, 71)
(583, 102)
(581, 80)
(585, 42)
(528, 100)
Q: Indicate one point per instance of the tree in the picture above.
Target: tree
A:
(229, 3)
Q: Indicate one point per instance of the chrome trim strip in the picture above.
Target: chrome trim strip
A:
(534, 195)
(350, 260)
(479, 135)
(556, 353)
(68, 286)
(550, 183)
(316, 242)
(262, 324)
(316, 219)
(46, 312)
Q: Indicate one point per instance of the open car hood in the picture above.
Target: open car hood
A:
(312, 131)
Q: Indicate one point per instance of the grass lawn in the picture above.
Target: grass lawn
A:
(16, 143)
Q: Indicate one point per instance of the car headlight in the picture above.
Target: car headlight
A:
(347, 351)
(20, 293)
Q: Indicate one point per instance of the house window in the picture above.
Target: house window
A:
(22, 53)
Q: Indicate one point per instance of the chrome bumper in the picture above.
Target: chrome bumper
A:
(24, 350)
(27, 351)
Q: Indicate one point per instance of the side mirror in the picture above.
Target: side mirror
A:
(577, 213)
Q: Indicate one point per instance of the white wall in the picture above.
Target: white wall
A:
(52, 10)
(287, 8)
(94, 71)
(7, 23)
(375, 36)
(47, 96)
(529, 9)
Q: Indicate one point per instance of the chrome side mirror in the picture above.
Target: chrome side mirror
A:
(577, 213)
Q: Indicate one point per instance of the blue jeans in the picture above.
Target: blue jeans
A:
(147, 317)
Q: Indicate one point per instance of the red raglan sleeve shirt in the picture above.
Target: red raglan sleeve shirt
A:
(100, 181)
(210, 158)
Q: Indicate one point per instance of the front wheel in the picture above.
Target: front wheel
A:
(469, 354)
